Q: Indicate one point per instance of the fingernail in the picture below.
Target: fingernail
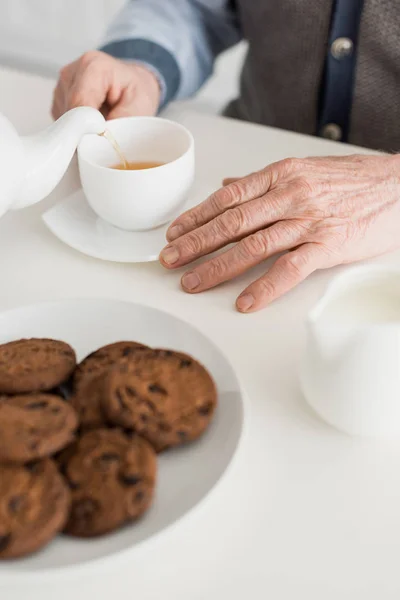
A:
(174, 232)
(245, 302)
(170, 255)
(191, 281)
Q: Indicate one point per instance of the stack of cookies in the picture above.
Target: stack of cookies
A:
(78, 443)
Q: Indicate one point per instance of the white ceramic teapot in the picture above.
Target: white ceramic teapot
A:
(31, 166)
(351, 366)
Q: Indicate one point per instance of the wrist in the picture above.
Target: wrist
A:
(155, 57)
(152, 79)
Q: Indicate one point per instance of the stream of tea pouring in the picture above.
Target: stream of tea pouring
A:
(111, 139)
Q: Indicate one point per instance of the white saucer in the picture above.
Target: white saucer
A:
(75, 224)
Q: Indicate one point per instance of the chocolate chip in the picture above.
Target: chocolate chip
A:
(185, 364)
(130, 392)
(130, 479)
(15, 503)
(139, 496)
(4, 541)
(33, 467)
(55, 410)
(120, 399)
(204, 410)
(109, 457)
(150, 405)
(182, 435)
(164, 427)
(73, 485)
(127, 351)
(144, 418)
(130, 433)
(36, 405)
(157, 389)
(84, 509)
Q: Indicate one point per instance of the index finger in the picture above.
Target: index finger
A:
(236, 192)
(89, 88)
(64, 83)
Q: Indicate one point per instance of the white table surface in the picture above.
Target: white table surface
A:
(306, 512)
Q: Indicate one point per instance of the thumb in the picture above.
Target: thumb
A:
(86, 92)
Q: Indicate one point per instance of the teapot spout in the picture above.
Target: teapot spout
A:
(48, 154)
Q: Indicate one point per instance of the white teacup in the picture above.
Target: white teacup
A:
(141, 199)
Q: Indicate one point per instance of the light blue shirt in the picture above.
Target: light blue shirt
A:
(178, 40)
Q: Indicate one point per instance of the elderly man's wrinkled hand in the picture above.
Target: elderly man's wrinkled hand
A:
(318, 212)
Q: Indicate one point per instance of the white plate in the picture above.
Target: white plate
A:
(186, 475)
(75, 224)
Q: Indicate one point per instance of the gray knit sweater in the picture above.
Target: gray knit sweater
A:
(288, 45)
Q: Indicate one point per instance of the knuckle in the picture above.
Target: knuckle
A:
(193, 243)
(76, 98)
(266, 288)
(216, 201)
(255, 245)
(290, 164)
(293, 265)
(235, 191)
(194, 218)
(226, 197)
(305, 187)
(189, 221)
(230, 224)
(88, 57)
(216, 270)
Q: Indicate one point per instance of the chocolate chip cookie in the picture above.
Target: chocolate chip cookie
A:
(112, 477)
(103, 358)
(88, 382)
(34, 365)
(167, 397)
(33, 426)
(87, 402)
(34, 506)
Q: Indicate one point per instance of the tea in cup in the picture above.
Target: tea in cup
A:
(137, 166)
(154, 187)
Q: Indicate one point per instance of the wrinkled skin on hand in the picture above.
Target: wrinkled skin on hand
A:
(318, 212)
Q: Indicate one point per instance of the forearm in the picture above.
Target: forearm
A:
(179, 39)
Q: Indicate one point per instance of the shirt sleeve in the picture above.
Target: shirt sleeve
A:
(178, 40)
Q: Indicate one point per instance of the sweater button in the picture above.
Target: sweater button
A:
(332, 131)
(342, 47)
